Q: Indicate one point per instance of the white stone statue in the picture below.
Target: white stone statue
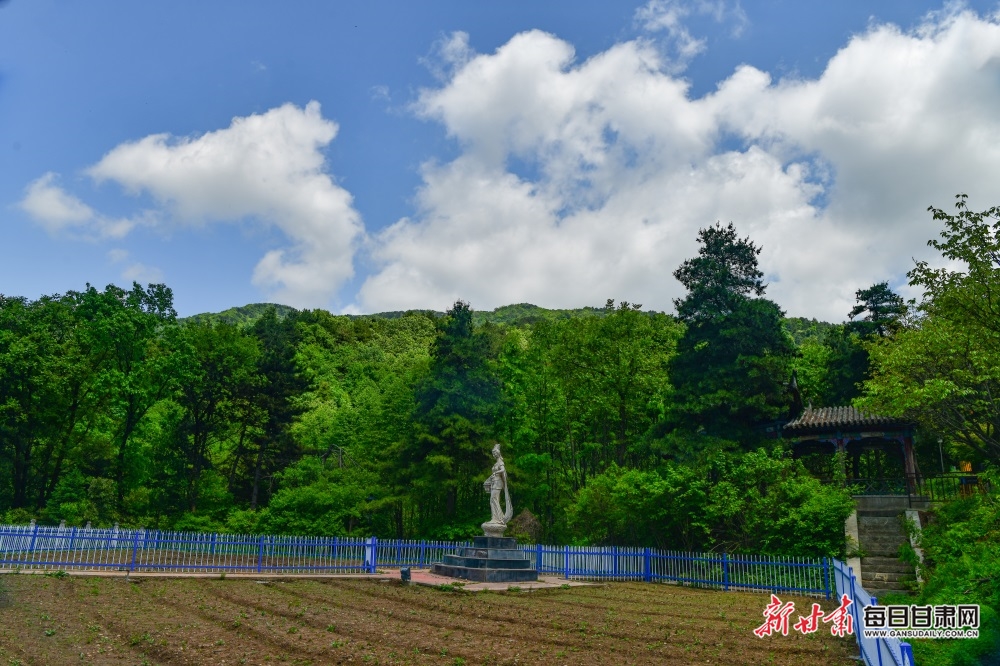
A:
(497, 482)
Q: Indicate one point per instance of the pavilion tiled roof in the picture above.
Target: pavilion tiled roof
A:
(840, 418)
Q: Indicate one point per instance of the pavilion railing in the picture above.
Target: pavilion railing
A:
(930, 488)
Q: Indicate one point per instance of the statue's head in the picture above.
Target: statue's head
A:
(496, 450)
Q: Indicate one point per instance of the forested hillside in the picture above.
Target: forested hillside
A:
(519, 314)
(618, 425)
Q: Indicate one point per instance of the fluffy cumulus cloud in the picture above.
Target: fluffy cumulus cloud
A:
(269, 168)
(58, 211)
(581, 181)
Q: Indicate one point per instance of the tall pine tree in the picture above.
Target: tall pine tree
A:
(734, 357)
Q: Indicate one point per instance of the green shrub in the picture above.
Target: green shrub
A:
(760, 502)
(961, 566)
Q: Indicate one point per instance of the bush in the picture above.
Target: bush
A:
(17, 517)
(316, 499)
(767, 503)
(760, 502)
(962, 565)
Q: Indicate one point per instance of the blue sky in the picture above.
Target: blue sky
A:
(373, 156)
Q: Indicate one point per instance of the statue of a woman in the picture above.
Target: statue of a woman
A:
(496, 483)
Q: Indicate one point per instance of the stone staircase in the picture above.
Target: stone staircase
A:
(880, 534)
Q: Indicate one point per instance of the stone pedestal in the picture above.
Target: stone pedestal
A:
(488, 560)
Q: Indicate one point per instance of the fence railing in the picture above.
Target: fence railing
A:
(874, 651)
(73, 548)
(718, 570)
(932, 488)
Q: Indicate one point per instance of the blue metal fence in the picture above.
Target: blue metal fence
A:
(72, 548)
(874, 651)
(719, 570)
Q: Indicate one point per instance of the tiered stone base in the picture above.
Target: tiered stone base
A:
(489, 560)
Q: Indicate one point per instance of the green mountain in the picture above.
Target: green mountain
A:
(518, 314)
(240, 316)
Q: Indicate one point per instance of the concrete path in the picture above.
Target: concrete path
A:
(417, 577)
(425, 577)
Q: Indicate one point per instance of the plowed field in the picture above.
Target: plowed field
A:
(80, 620)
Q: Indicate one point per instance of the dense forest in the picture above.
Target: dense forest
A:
(618, 425)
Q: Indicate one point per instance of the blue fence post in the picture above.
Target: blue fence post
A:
(212, 550)
(260, 553)
(614, 562)
(538, 557)
(31, 548)
(854, 607)
(725, 571)
(423, 554)
(135, 550)
(72, 539)
(566, 561)
(647, 566)
(826, 576)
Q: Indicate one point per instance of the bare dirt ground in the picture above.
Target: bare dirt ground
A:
(90, 620)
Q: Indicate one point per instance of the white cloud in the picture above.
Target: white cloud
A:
(449, 54)
(142, 273)
(52, 207)
(669, 16)
(117, 255)
(617, 167)
(135, 271)
(58, 211)
(268, 167)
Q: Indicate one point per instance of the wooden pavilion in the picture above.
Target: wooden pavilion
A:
(878, 450)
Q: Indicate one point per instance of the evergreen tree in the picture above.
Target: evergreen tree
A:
(735, 355)
(456, 407)
(882, 307)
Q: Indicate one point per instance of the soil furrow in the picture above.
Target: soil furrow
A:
(211, 621)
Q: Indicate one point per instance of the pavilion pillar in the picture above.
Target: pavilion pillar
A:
(909, 461)
(842, 449)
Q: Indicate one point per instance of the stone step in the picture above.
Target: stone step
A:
(875, 530)
(883, 585)
(892, 545)
(506, 543)
(889, 566)
(882, 536)
(485, 562)
(890, 536)
(885, 576)
(876, 561)
(881, 549)
(485, 575)
(879, 593)
(882, 539)
(495, 553)
(880, 524)
(874, 513)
